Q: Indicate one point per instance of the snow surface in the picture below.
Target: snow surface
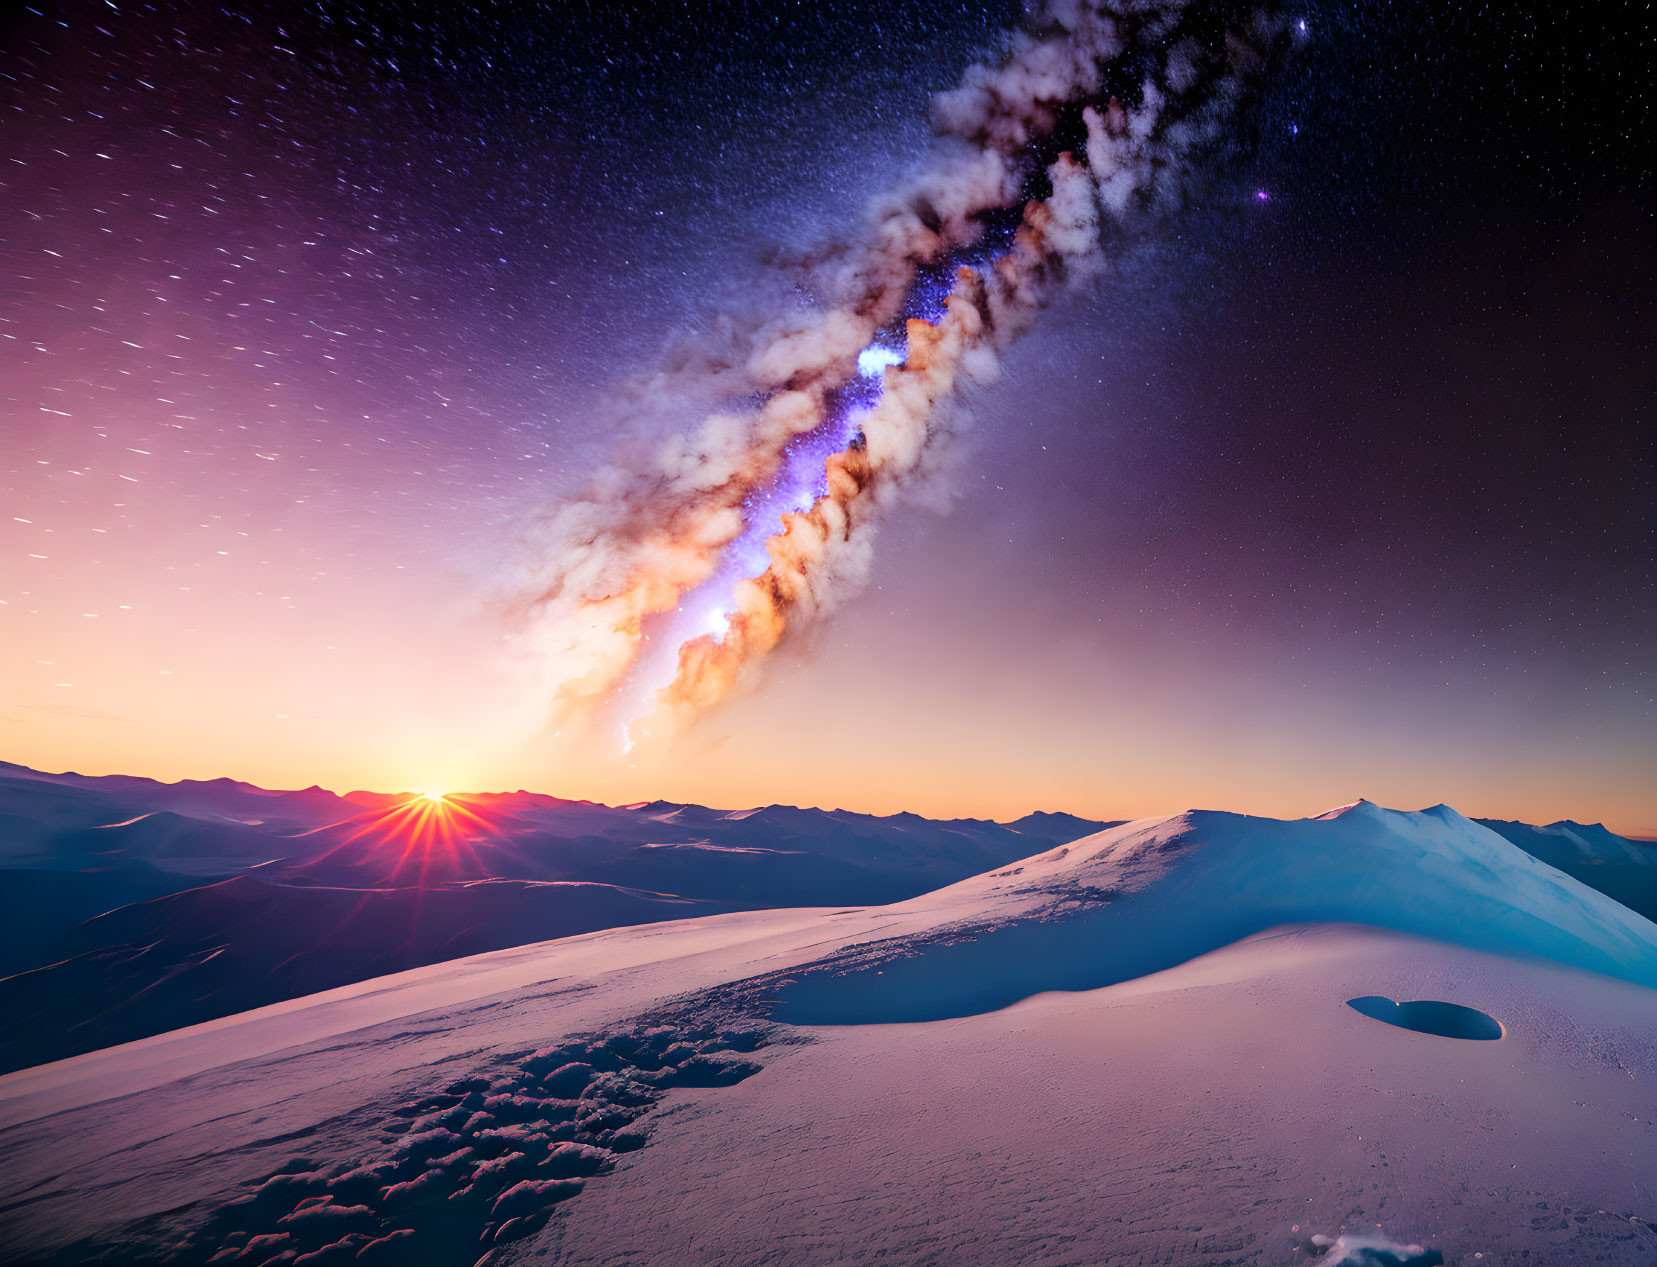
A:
(1222, 1112)
(1173, 1081)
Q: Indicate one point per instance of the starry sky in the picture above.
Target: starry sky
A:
(1341, 482)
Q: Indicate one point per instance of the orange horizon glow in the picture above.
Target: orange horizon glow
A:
(941, 705)
(441, 820)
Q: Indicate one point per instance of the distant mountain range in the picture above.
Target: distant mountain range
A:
(131, 907)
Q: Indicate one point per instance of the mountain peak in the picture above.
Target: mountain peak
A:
(1448, 813)
(1361, 805)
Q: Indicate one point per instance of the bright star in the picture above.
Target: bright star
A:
(873, 359)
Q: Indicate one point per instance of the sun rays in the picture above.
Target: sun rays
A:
(431, 838)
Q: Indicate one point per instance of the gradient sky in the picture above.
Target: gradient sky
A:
(309, 311)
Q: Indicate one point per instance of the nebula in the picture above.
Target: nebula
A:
(682, 568)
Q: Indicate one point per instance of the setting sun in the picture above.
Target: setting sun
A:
(432, 796)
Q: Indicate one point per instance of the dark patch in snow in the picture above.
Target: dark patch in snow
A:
(1431, 1016)
(1088, 894)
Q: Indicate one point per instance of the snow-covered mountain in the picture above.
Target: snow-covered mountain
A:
(1145, 896)
(1615, 865)
(1155, 1044)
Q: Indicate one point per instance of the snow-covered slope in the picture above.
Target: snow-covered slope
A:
(235, 945)
(1226, 1110)
(1230, 1112)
